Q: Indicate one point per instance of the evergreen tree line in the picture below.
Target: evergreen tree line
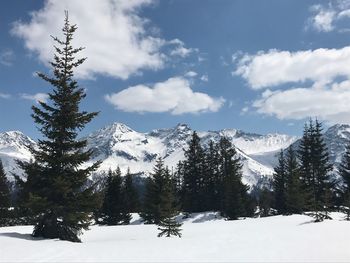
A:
(303, 180)
(210, 179)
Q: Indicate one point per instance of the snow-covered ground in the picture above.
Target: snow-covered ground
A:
(205, 238)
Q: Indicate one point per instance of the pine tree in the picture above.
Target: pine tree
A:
(4, 197)
(234, 191)
(294, 194)
(151, 212)
(321, 168)
(56, 184)
(131, 195)
(192, 192)
(168, 209)
(212, 181)
(113, 211)
(304, 156)
(315, 168)
(279, 185)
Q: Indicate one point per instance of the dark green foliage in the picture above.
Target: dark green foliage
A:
(56, 190)
(265, 202)
(234, 195)
(131, 196)
(314, 169)
(280, 184)
(193, 178)
(114, 209)
(168, 209)
(155, 185)
(212, 180)
(293, 194)
(4, 198)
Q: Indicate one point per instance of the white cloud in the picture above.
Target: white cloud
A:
(272, 68)
(316, 83)
(5, 96)
(6, 57)
(42, 97)
(323, 19)
(326, 17)
(327, 102)
(180, 49)
(191, 74)
(173, 95)
(119, 42)
(205, 78)
(244, 110)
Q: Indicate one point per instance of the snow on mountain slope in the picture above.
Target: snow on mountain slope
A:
(119, 145)
(14, 146)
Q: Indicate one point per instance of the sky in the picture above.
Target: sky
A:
(261, 66)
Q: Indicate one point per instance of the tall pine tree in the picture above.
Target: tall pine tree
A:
(294, 194)
(56, 184)
(234, 196)
(315, 169)
(279, 184)
(194, 172)
(212, 180)
(131, 196)
(168, 225)
(151, 210)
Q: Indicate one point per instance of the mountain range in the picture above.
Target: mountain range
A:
(119, 145)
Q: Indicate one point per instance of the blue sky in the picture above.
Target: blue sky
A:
(260, 66)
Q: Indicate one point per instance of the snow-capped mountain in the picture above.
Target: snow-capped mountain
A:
(14, 145)
(119, 145)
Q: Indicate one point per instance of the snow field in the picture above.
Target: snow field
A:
(205, 239)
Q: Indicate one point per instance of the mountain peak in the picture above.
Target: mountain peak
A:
(14, 137)
(182, 126)
(114, 128)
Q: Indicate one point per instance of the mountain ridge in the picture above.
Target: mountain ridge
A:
(119, 145)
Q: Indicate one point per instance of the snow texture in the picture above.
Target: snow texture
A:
(206, 238)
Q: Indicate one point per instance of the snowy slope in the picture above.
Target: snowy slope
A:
(204, 239)
(14, 146)
(119, 145)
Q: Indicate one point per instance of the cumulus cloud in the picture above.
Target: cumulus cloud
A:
(274, 67)
(327, 17)
(118, 40)
(301, 84)
(42, 97)
(327, 102)
(173, 95)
